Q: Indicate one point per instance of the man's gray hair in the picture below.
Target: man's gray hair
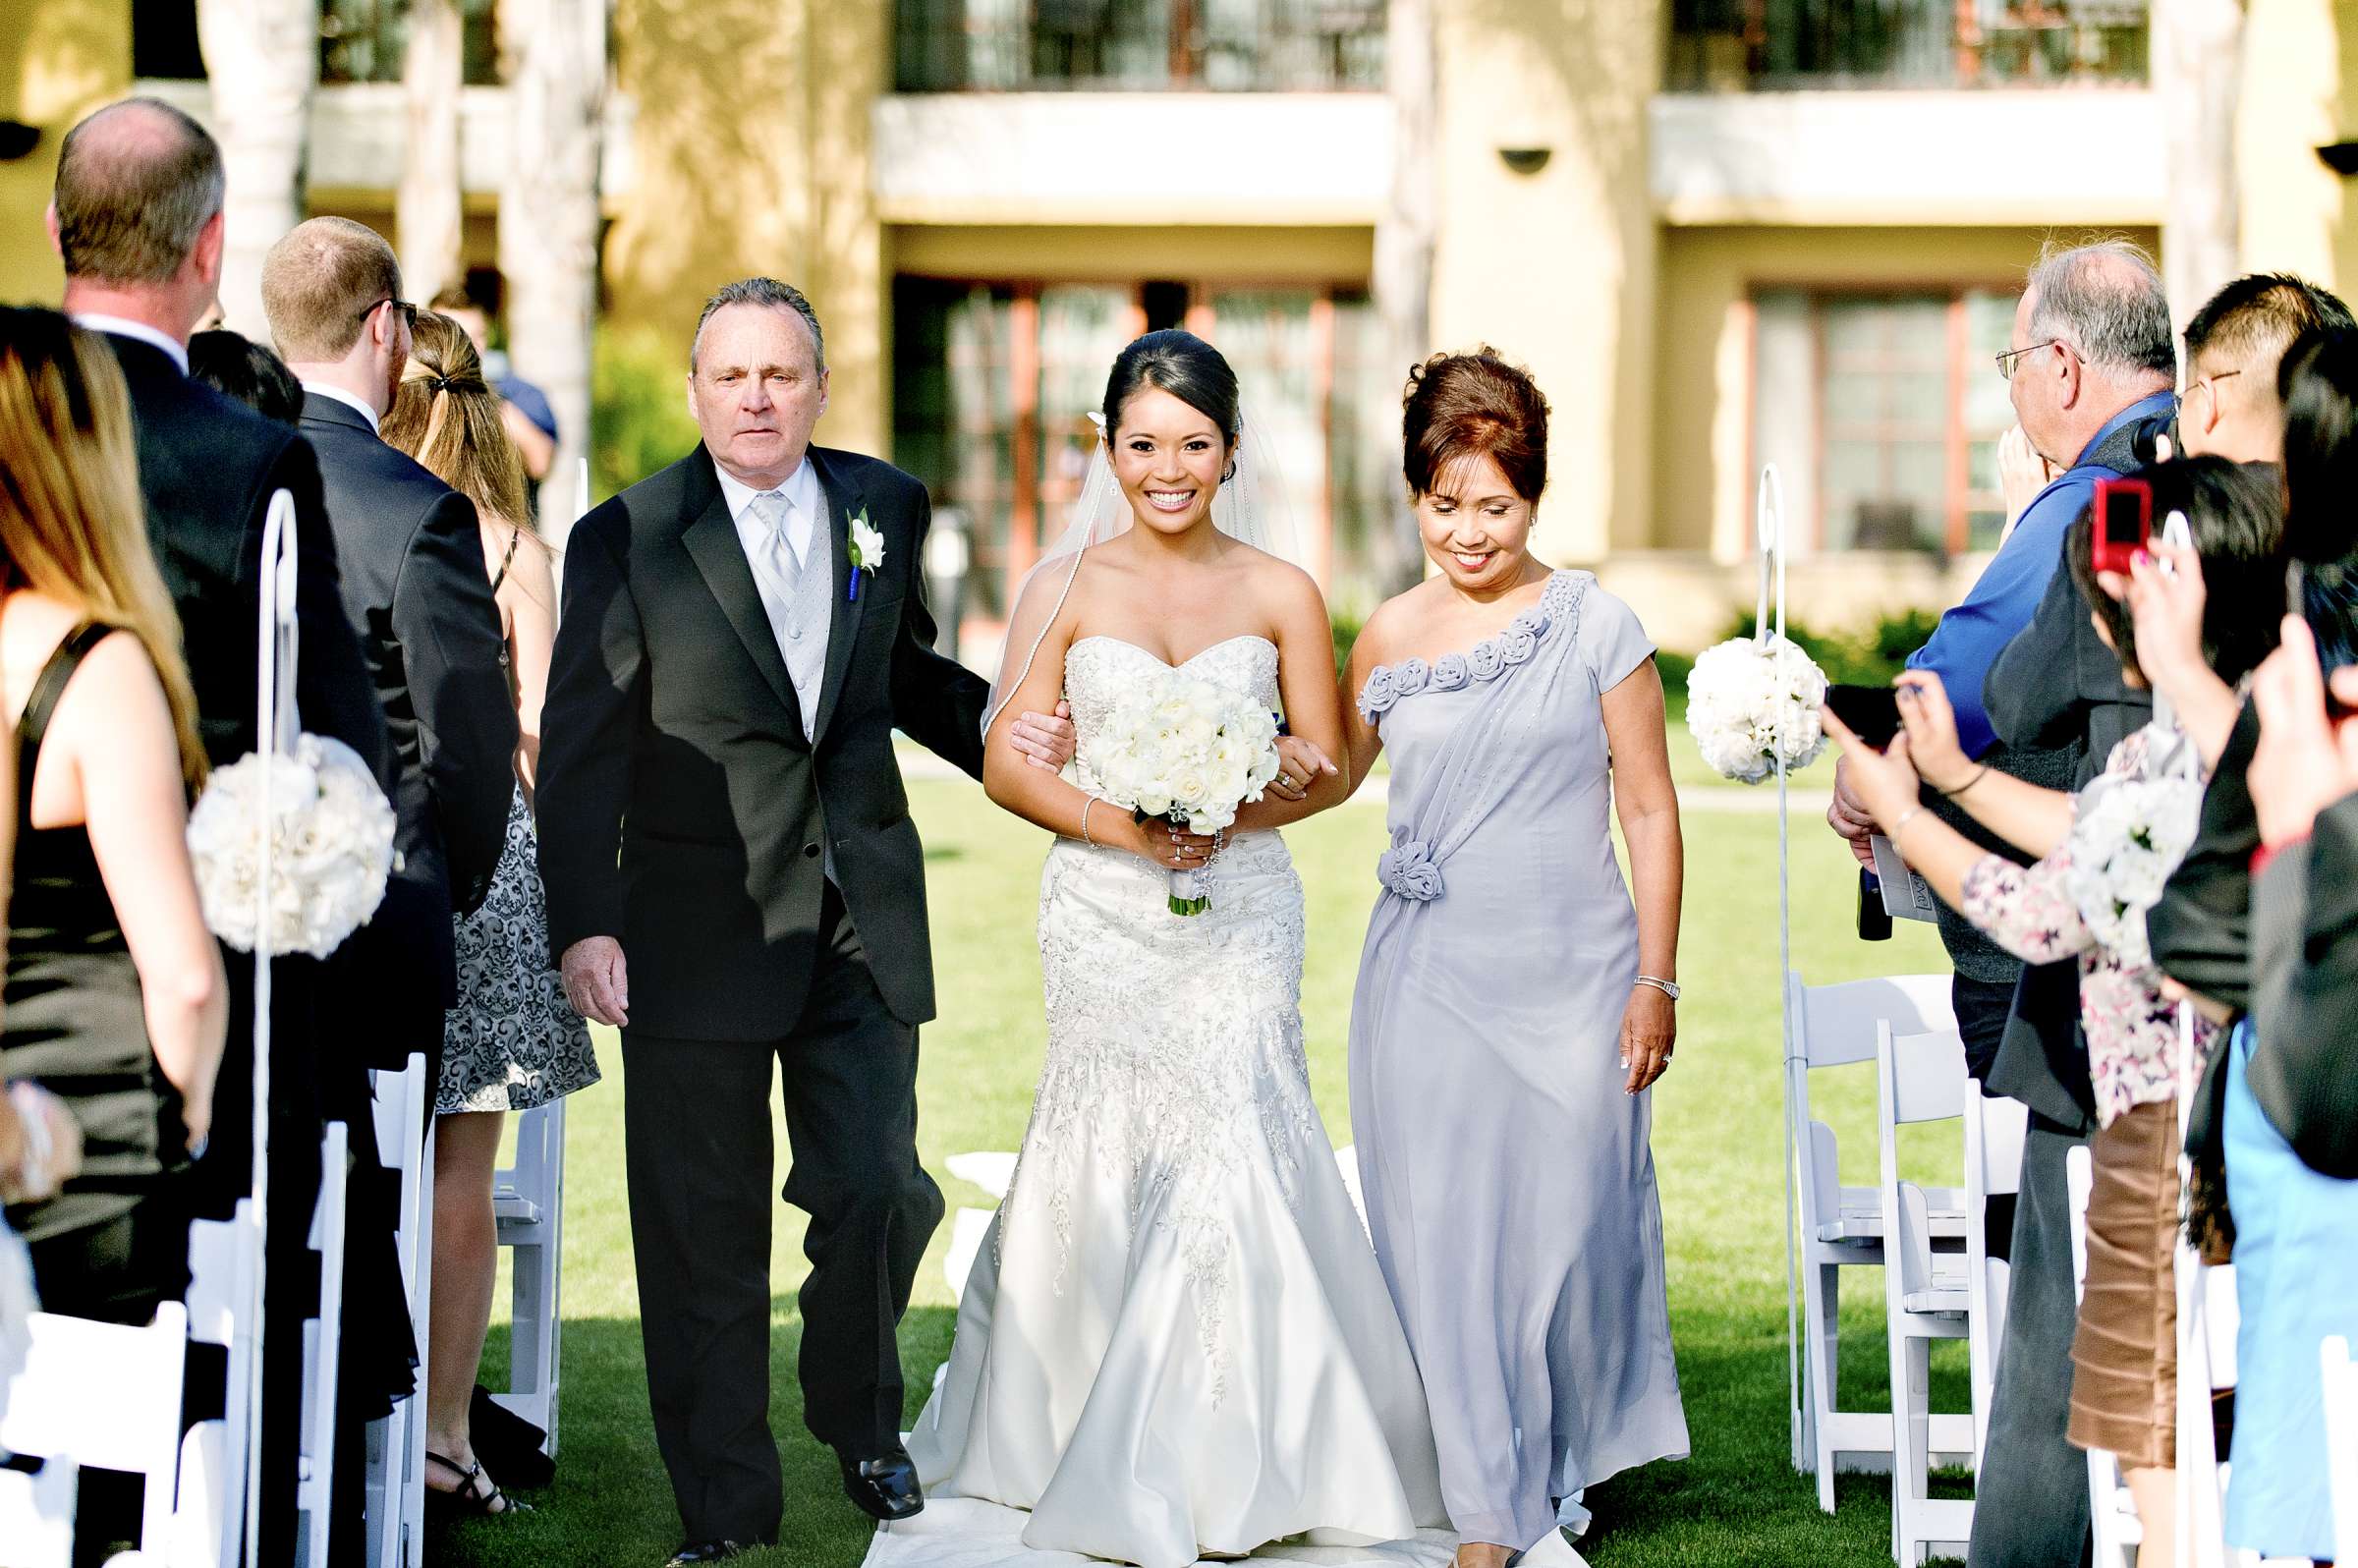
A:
(2105, 301)
(137, 182)
(766, 292)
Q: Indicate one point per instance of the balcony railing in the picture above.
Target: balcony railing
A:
(1138, 45)
(1768, 45)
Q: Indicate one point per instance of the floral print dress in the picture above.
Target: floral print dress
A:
(2042, 914)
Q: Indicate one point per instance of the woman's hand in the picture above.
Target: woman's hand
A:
(1884, 782)
(2166, 597)
(1171, 847)
(1299, 762)
(1931, 725)
(41, 1144)
(1649, 1029)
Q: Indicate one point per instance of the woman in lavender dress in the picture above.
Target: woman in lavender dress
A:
(1513, 1006)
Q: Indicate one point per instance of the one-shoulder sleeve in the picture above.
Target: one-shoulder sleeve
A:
(1612, 642)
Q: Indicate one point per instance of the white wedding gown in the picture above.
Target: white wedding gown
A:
(1175, 1340)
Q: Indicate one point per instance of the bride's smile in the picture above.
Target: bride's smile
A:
(1169, 459)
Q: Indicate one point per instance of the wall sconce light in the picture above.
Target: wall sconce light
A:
(2340, 156)
(1524, 160)
(17, 138)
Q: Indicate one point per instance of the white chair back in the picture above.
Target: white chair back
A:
(314, 1484)
(1994, 1132)
(2341, 1442)
(529, 1199)
(1841, 1226)
(209, 1509)
(1920, 1078)
(395, 1457)
(104, 1396)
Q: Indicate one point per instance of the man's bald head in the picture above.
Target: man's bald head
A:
(137, 183)
(318, 283)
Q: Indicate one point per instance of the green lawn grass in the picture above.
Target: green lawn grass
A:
(1718, 1145)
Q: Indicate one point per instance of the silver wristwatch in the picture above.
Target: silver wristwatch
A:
(1669, 989)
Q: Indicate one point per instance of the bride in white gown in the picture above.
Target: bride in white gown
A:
(1175, 1341)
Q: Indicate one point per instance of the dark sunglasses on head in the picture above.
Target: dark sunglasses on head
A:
(409, 312)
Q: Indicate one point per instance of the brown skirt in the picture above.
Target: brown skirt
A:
(2124, 1356)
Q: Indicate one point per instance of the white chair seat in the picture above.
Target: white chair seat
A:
(513, 1210)
(1946, 1302)
(1862, 1217)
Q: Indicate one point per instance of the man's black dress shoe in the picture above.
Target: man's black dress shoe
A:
(885, 1487)
(696, 1551)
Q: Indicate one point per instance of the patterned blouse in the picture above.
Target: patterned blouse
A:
(2132, 1028)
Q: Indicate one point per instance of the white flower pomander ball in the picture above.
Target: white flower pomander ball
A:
(331, 834)
(1746, 700)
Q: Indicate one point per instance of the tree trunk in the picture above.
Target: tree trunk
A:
(2198, 62)
(426, 212)
(262, 59)
(1405, 239)
(548, 221)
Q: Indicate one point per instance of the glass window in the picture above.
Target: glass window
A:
(1882, 415)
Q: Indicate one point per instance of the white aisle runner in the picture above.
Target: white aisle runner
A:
(968, 1533)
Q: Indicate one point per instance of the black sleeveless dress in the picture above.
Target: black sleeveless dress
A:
(113, 1243)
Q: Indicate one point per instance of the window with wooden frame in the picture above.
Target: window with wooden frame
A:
(1883, 411)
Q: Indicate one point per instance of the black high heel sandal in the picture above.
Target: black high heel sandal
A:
(468, 1498)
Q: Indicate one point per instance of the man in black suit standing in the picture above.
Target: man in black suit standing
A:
(416, 592)
(719, 801)
(136, 217)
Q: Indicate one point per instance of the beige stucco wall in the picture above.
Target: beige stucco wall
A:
(59, 59)
(1557, 268)
(751, 152)
(2292, 204)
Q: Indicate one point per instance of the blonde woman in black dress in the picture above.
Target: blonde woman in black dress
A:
(116, 1000)
(513, 1042)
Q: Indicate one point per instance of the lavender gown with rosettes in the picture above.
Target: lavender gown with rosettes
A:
(1506, 1175)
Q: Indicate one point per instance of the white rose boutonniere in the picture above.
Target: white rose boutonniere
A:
(866, 546)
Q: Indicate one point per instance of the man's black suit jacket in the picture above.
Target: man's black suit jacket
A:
(682, 809)
(208, 467)
(416, 591)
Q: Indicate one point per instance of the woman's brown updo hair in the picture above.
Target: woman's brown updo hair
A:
(1473, 405)
(446, 416)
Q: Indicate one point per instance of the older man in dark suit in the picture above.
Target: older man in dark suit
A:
(415, 591)
(719, 801)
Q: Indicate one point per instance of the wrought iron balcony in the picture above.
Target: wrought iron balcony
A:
(1138, 45)
(1771, 45)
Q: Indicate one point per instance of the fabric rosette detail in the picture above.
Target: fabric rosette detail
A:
(1518, 642)
(1187, 751)
(1750, 702)
(1378, 694)
(1487, 661)
(1407, 870)
(1450, 672)
(331, 848)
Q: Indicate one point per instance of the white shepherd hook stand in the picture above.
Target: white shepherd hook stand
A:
(274, 730)
(1770, 525)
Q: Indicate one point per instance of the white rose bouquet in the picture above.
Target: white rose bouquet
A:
(1186, 750)
(331, 835)
(2129, 835)
(1747, 702)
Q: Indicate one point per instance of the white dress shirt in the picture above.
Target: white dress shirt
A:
(348, 400)
(140, 331)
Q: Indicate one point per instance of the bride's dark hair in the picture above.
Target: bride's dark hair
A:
(1180, 363)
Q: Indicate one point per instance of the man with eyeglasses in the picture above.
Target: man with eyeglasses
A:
(415, 589)
(2090, 370)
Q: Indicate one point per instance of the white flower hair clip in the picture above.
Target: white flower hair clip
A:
(1099, 419)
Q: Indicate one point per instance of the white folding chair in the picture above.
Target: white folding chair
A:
(2341, 1442)
(36, 1515)
(1843, 1226)
(528, 1198)
(395, 1485)
(323, 1340)
(208, 1509)
(2111, 1511)
(1994, 1129)
(1919, 1078)
(103, 1396)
